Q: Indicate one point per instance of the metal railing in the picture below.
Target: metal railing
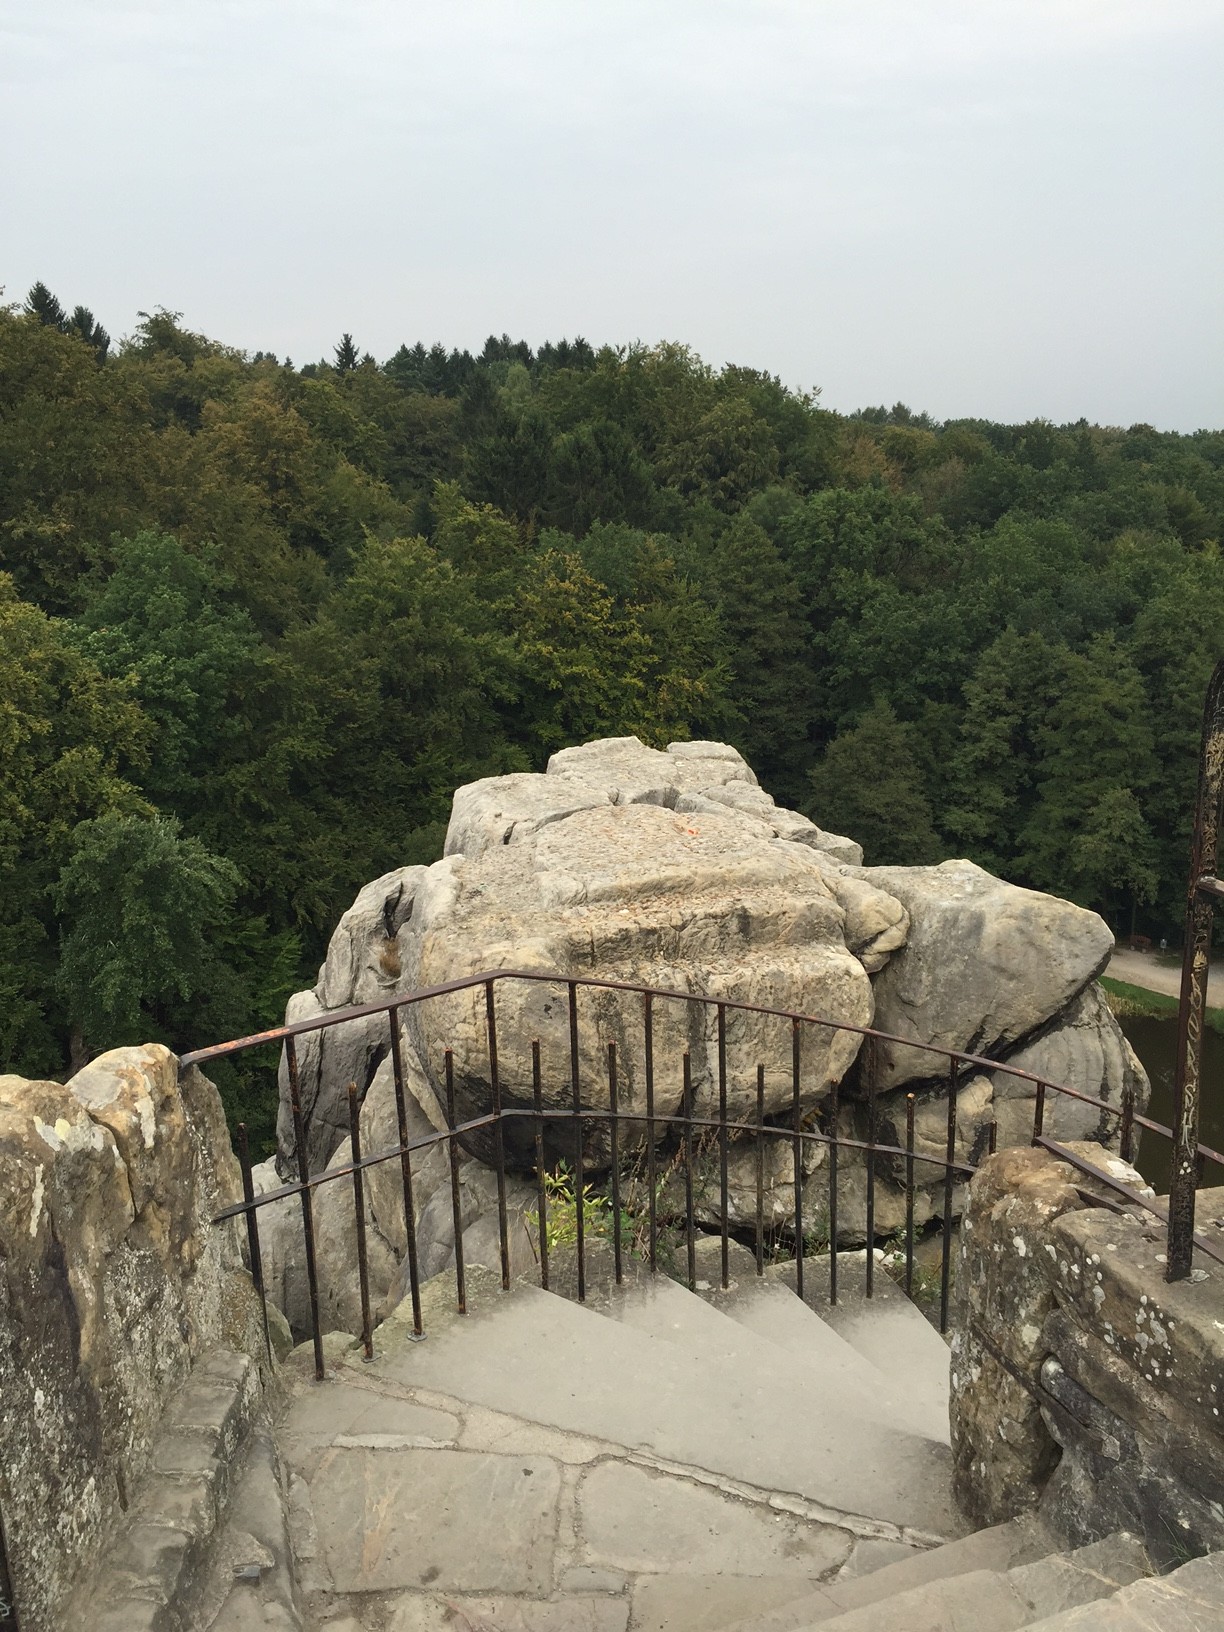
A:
(1203, 890)
(668, 1134)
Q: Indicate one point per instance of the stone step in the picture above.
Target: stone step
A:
(763, 1328)
(537, 1356)
(153, 1569)
(1189, 1599)
(251, 1583)
(984, 1600)
(886, 1329)
(1001, 1547)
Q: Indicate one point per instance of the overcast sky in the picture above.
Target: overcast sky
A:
(1004, 208)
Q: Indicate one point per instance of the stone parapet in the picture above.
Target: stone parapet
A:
(113, 1282)
(1083, 1382)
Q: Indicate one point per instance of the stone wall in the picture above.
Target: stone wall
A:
(113, 1280)
(1082, 1382)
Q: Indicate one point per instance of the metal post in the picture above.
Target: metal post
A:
(401, 1113)
(456, 1198)
(1202, 889)
(651, 1170)
(723, 1203)
(303, 1167)
(499, 1137)
(363, 1265)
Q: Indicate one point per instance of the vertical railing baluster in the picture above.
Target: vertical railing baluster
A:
(834, 1095)
(537, 1101)
(614, 1142)
(909, 1195)
(1039, 1112)
(401, 1111)
(870, 1071)
(579, 1165)
(303, 1167)
(252, 1229)
(689, 1227)
(651, 1173)
(797, 1149)
(499, 1136)
(723, 1188)
(456, 1199)
(760, 1170)
(363, 1264)
(945, 1277)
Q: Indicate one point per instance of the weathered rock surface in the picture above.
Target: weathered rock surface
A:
(1083, 1049)
(364, 964)
(677, 871)
(114, 1280)
(985, 964)
(642, 894)
(1082, 1380)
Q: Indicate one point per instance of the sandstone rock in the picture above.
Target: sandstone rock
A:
(281, 1234)
(1084, 1049)
(506, 809)
(114, 1281)
(375, 951)
(365, 963)
(643, 894)
(986, 963)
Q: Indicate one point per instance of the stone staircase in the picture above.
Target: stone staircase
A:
(739, 1460)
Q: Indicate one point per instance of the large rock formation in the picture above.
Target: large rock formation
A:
(675, 870)
(113, 1281)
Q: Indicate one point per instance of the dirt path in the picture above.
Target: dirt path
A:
(1154, 973)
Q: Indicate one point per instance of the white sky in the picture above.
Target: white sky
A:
(998, 207)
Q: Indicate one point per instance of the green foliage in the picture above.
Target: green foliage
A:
(598, 1217)
(869, 786)
(257, 623)
(141, 903)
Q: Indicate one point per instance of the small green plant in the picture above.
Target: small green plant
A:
(561, 1213)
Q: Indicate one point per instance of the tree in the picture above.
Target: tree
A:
(42, 304)
(1096, 772)
(70, 742)
(868, 786)
(83, 324)
(346, 354)
(164, 619)
(772, 684)
(139, 904)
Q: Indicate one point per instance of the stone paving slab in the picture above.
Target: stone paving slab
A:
(535, 1356)
(460, 1521)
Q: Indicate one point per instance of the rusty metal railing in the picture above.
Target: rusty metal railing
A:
(674, 1130)
(1203, 889)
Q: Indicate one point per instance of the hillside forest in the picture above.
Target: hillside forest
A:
(257, 621)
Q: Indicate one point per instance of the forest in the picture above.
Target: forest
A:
(258, 620)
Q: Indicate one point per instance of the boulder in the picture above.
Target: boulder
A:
(365, 963)
(1085, 1049)
(647, 895)
(985, 964)
(376, 951)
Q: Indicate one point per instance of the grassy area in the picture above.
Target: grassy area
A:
(1125, 999)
